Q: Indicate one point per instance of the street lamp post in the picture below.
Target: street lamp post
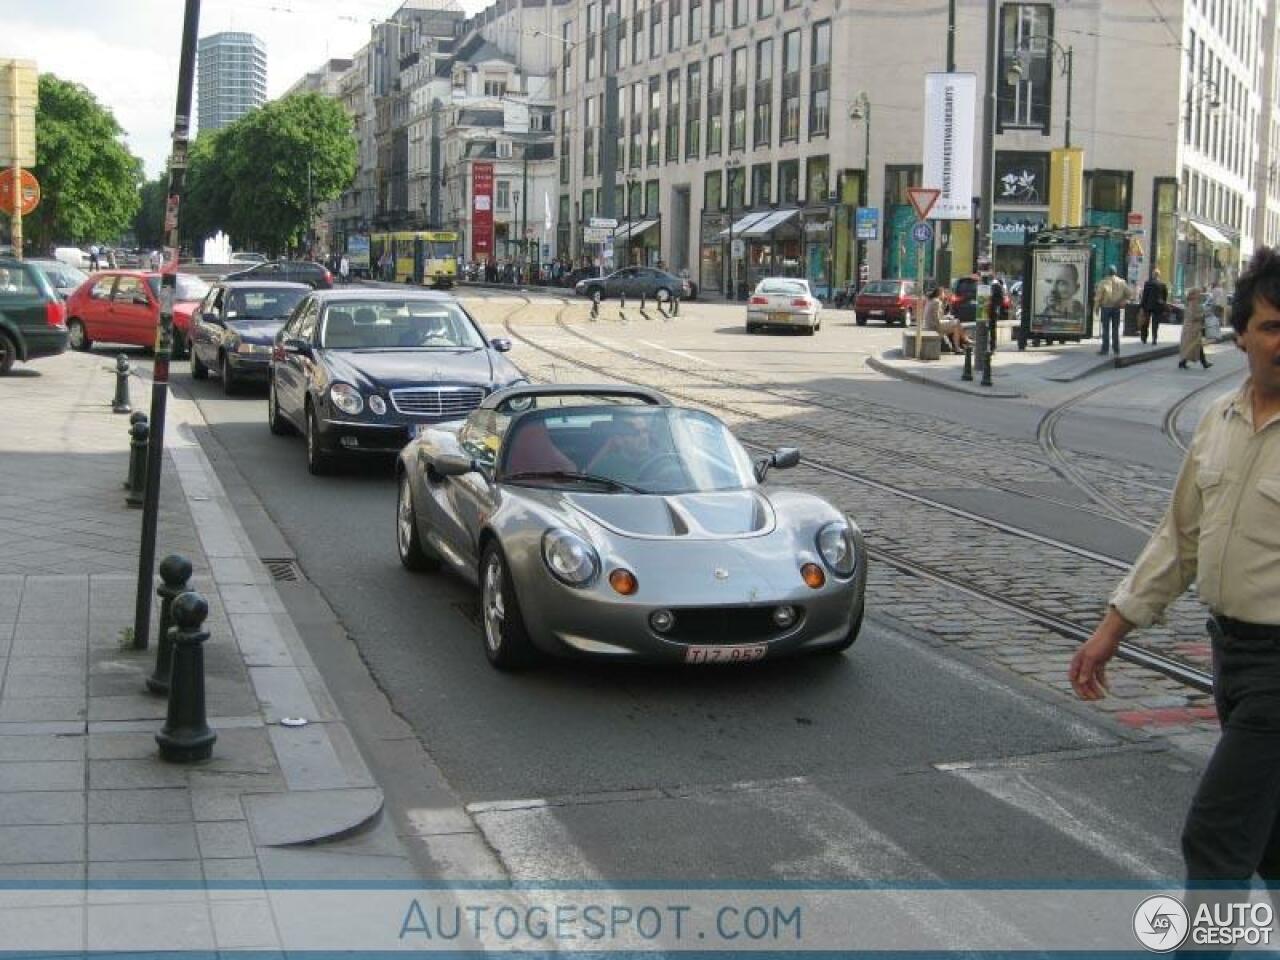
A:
(861, 110)
(632, 179)
(732, 166)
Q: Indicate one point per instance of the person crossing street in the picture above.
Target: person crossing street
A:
(1112, 294)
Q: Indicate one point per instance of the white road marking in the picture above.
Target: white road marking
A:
(532, 843)
(678, 353)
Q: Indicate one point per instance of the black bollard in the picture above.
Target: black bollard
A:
(986, 371)
(136, 417)
(186, 737)
(642, 303)
(968, 363)
(175, 571)
(140, 433)
(120, 403)
(675, 306)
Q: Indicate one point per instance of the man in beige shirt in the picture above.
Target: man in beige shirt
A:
(1111, 296)
(1222, 531)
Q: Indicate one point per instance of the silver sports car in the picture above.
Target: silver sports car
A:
(604, 521)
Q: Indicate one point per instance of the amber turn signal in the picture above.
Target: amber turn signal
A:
(624, 582)
(813, 575)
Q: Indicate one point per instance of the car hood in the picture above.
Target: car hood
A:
(697, 516)
(256, 331)
(390, 368)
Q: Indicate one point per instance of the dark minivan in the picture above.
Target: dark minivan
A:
(33, 318)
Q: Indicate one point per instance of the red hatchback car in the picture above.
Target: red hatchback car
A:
(889, 300)
(123, 306)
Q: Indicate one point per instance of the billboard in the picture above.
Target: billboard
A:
(481, 211)
(358, 251)
(1059, 291)
(950, 108)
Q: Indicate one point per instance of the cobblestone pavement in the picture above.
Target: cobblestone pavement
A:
(910, 452)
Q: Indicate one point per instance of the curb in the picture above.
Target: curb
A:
(321, 758)
(880, 365)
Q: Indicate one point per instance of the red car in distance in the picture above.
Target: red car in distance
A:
(123, 306)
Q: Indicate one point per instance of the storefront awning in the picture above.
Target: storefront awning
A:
(641, 227)
(1212, 234)
(741, 227)
(766, 225)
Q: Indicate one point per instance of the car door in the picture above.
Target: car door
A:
(620, 283)
(95, 310)
(206, 327)
(133, 312)
(291, 370)
(469, 499)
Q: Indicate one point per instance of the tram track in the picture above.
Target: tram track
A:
(1169, 666)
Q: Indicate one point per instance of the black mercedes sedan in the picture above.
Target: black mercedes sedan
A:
(233, 331)
(361, 371)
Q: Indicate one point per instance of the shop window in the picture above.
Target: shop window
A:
(789, 182)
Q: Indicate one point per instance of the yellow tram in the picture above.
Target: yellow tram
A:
(416, 256)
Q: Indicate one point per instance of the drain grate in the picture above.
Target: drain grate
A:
(283, 569)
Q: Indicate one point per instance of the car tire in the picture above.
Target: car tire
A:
(753, 328)
(198, 370)
(229, 383)
(277, 424)
(8, 353)
(860, 319)
(318, 461)
(810, 330)
(409, 545)
(506, 639)
(77, 336)
(662, 295)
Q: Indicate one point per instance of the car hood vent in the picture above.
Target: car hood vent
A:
(700, 516)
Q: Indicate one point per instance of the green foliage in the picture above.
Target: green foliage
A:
(250, 178)
(148, 222)
(88, 178)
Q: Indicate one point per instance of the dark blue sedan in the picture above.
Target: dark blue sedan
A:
(361, 371)
(234, 329)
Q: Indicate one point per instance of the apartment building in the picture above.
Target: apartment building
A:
(231, 77)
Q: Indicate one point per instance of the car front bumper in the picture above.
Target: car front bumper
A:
(713, 624)
(250, 366)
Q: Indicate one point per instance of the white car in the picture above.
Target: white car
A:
(784, 302)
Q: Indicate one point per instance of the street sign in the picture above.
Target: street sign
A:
(18, 93)
(597, 234)
(604, 223)
(30, 191)
(922, 232)
(922, 200)
(866, 223)
(738, 248)
(1134, 218)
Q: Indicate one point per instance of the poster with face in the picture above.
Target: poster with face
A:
(1060, 304)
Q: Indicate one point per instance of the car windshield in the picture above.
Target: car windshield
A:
(188, 288)
(62, 275)
(883, 288)
(625, 448)
(398, 324)
(798, 287)
(262, 304)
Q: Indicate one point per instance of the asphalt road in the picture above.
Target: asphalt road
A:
(897, 761)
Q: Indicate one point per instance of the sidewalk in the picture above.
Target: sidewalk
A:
(1024, 373)
(84, 798)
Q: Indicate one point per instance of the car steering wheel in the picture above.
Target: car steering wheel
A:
(657, 464)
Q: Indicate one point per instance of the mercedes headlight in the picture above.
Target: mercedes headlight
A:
(835, 543)
(377, 404)
(570, 559)
(346, 398)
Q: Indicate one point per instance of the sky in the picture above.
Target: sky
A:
(126, 51)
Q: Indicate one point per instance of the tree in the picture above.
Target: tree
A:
(251, 178)
(88, 178)
(148, 222)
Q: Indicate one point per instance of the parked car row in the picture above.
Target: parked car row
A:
(123, 306)
(32, 315)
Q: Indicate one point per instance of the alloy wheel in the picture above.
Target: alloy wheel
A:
(494, 607)
(404, 517)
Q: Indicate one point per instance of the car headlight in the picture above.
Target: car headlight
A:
(570, 559)
(346, 398)
(835, 543)
(377, 404)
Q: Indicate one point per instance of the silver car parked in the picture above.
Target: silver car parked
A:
(602, 521)
(784, 302)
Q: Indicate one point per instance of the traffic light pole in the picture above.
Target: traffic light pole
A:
(166, 344)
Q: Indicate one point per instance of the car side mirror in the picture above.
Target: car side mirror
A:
(211, 318)
(784, 458)
(297, 347)
(141, 300)
(452, 464)
(501, 344)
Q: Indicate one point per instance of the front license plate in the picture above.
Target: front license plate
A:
(418, 429)
(743, 653)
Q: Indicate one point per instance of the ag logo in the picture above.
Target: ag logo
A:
(1160, 923)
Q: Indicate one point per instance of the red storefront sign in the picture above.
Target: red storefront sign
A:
(481, 211)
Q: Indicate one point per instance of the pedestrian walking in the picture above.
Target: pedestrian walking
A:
(1222, 531)
(157, 260)
(1191, 343)
(344, 269)
(1112, 294)
(1155, 304)
(93, 256)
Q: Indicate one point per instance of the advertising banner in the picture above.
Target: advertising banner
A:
(950, 108)
(1066, 187)
(358, 251)
(481, 211)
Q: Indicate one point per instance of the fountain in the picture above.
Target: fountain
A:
(217, 249)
